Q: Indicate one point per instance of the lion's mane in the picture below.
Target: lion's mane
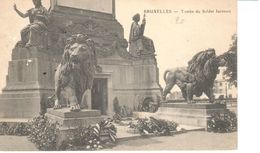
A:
(203, 66)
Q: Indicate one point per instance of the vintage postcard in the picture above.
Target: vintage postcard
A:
(118, 75)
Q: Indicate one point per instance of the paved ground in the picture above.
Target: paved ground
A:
(16, 143)
(187, 141)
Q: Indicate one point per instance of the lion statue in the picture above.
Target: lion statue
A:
(198, 78)
(75, 73)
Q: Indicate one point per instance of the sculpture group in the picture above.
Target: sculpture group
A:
(198, 78)
(75, 74)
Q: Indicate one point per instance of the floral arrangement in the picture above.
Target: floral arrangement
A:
(18, 129)
(91, 137)
(222, 122)
(43, 133)
(154, 126)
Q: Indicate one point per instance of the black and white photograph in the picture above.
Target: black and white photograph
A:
(118, 75)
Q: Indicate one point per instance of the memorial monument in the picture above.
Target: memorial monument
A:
(30, 81)
(197, 79)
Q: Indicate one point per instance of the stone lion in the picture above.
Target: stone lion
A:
(198, 78)
(75, 74)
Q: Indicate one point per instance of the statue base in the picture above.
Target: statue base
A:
(69, 121)
(189, 114)
(22, 105)
(28, 83)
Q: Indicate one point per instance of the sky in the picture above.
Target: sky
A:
(177, 36)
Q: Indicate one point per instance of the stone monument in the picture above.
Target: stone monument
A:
(30, 80)
(131, 79)
(197, 79)
(31, 70)
(73, 77)
(75, 73)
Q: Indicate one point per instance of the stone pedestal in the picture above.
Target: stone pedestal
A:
(29, 82)
(68, 121)
(189, 114)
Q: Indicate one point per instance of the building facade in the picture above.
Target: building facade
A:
(222, 88)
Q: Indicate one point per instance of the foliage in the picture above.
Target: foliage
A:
(18, 129)
(43, 133)
(231, 58)
(123, 111)
(91, 137)
(117, 118)
(155, 126)
(50, 102)
(21, 129)
(80, 138)
(116, 106)
(47, 102)
(148, 105)
(222, 123)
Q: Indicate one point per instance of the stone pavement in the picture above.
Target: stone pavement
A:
(124, 133)
(194, 140)
(16, 143)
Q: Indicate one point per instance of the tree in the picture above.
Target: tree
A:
(231, 58)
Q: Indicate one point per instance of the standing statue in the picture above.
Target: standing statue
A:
(199, 77)
(34, 33)
(75, 74)
(139, 44)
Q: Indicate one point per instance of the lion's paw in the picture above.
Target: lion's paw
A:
(75, 108)
(191, 102)
(57, 107)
